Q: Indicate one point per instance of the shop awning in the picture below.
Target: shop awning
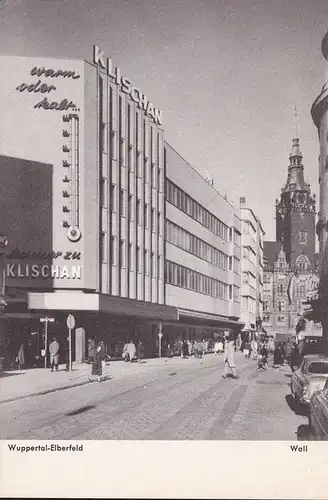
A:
(94, 302)
(211, 319)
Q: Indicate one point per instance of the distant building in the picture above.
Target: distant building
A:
(251, 269)
(319, 113)
(290, 262)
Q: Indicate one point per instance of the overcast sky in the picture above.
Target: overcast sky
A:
(226, 73)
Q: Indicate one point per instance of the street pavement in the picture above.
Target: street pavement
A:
(182, 399)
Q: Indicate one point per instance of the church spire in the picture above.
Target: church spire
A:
(295, 179)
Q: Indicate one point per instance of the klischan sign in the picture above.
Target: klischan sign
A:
(126, 86)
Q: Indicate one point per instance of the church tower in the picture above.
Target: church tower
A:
(295, 215)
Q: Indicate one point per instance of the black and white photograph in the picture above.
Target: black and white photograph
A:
(163, 222)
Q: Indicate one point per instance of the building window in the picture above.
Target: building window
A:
(281, 319)
(146, 261)
(303, 263)
(130, 207)
(103, 192)
(153, 220)
(122, 203)
(281, 289)
(303, 237)
(230, 292)
(159, 225)
(265, 305)
(281, 305)
(146, 215)
(230, 263)
(112, 250)
(153, 264)
(113, 198)
(192, 280)
(153, 177)
(138, 212)
(188, 205)
(159, 266)
(103, 247)
(130, 257)
(103, 138)
(122, 254)
(138, 258)
(187, 241)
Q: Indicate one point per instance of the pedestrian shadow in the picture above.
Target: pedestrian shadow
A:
(80, 410)
(10, 374)
(304, 433)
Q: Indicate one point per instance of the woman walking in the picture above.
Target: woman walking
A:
(21, 357)
(229, 357)
(97, 363)
(140, 350)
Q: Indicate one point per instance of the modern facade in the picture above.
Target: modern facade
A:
(290, 272)
(319, 113)
(251, 270)
(82, 184)
(202, 251)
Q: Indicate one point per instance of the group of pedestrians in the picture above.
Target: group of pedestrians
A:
(24, 356)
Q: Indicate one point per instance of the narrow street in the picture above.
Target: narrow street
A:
(189, 400)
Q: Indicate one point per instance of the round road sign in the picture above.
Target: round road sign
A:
(70, 321)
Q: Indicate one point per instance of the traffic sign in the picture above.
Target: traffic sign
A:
(70, 322)
(47, 320)
(160, 335)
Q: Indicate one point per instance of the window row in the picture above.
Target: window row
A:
(192, 280)
(180, 237)
(248, 304)
(130, 256)
(188, 205)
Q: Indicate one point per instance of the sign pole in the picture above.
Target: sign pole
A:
(160, 335)
(45, 342)
(70, 322)
(70, 348)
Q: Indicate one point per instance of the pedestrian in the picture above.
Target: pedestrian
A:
(97, 365)
(130, 351)
(229, 357)
(20, 357)
(216, 347)
(139, 351)
(263, 358)
(185, 350)
(247, 349)
(189, 347)
(200, 350)
(295, 358)
(254, 348)
(278, 356)
(54, 354)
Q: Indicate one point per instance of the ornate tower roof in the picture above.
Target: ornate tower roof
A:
(295, 178)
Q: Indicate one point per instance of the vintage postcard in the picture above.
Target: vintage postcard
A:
(163, 248)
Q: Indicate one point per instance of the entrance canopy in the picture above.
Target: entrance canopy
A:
(94, 302)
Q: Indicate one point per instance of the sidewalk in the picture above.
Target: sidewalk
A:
(17, 384)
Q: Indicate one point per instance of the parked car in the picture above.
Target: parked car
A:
(318, 414)
(310, 377)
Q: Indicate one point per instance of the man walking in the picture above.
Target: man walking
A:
(54, 354)
(229, 357)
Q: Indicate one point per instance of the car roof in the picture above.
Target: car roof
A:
(313, 357)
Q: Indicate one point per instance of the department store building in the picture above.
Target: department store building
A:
(89, 190)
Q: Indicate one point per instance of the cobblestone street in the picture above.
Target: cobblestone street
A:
(183, 400)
